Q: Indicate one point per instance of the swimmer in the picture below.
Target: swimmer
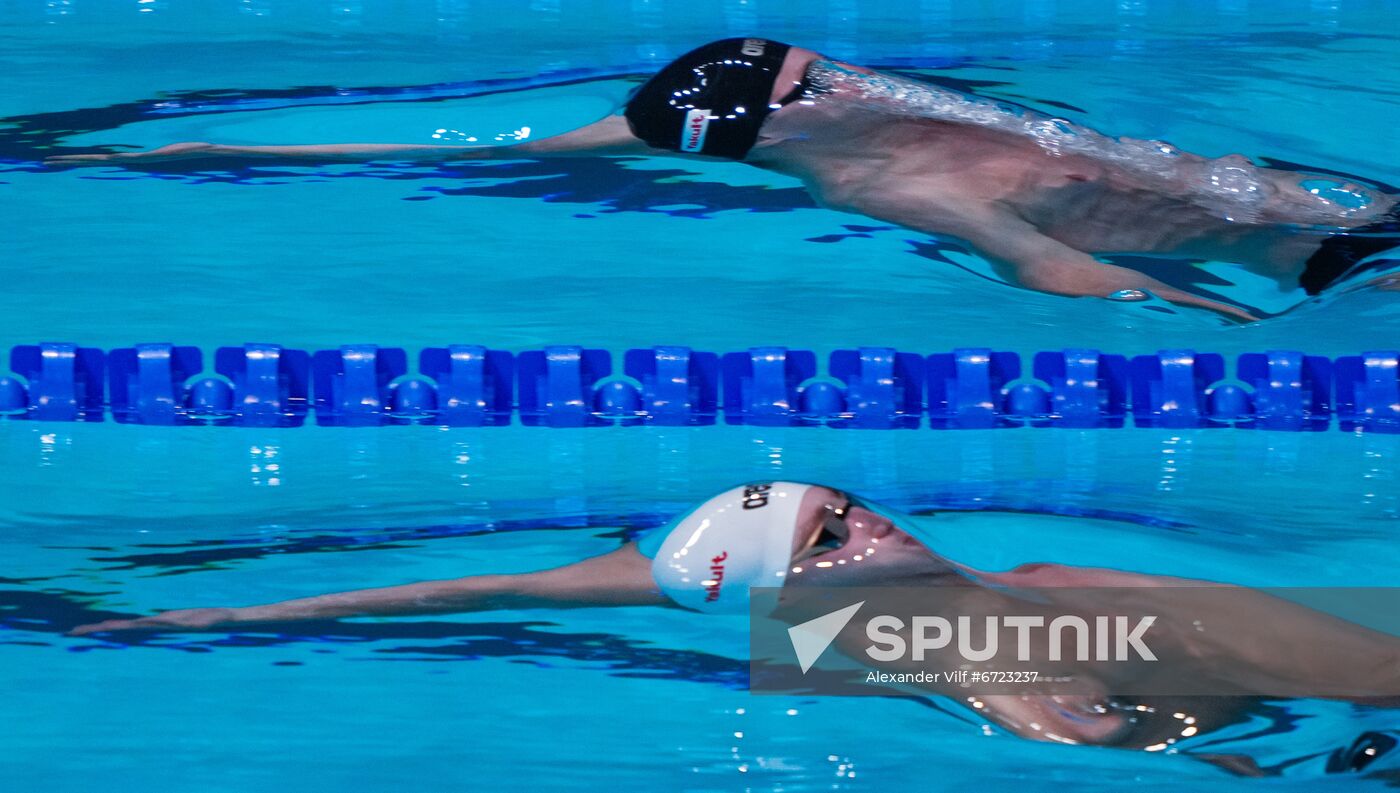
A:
(1039, 197)
(807, 539)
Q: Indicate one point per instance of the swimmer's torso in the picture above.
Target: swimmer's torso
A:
(926, 158)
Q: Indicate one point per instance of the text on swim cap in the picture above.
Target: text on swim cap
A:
(693, 130)
(753, 47)
(716, 579)
(756, 496)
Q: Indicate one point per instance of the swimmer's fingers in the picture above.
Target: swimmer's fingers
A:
(185, 619)
(1235, 312)
(174, 151)
(1226, 310)
(1229, 312)
(80, 159)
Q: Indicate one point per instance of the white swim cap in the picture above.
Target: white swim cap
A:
(738, 539)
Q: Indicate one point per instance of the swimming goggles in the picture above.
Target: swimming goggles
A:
(833, 532)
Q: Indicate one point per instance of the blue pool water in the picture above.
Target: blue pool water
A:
(104, 519)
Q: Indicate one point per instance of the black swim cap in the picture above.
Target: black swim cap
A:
(711, 100)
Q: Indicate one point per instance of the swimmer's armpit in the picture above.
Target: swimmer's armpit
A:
(609, 136)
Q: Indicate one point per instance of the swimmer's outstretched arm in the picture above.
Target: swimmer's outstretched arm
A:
(1038, 262)
(1028, 258)
(620, 578)
(610, 136)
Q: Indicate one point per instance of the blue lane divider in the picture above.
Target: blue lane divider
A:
(64, 381)
(1367, 389)
(352, 384)
(1172, 389)
(1291, 391)
(1087, 388)
(266, 385)
(564, 386)
(147, 382)
(764, 386)
(884, 388)
(679, 386)
(474, 385)
(967, 388)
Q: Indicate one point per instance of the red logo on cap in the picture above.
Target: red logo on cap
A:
(716, 577)
(693, 131)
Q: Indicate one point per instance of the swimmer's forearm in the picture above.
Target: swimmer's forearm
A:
(619, 578)
(1098, 279)
(608, 136)
(478, 593)
(359, 152)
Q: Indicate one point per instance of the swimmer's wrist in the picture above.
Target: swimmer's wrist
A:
(246, 614)
(271, 612)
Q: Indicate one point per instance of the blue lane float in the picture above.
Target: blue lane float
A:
(472, 386)
(970, 388)
(147, 383)
(1087, 389)
(883, 389)
(64, 382)
(266, 385)
(679, 386)
(763, 386)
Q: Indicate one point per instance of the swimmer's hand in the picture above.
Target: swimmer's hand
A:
(174, 151)
(184, 619)
(1225, 310)
(1234, 313)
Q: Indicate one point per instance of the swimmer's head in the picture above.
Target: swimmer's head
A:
(739, 539)
(712, 100)
(773, 534)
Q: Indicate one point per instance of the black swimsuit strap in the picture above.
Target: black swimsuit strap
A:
(1339, 253)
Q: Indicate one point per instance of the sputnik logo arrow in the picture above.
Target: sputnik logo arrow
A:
(811, 638)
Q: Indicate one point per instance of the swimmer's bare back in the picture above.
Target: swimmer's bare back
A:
(1039, 217)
